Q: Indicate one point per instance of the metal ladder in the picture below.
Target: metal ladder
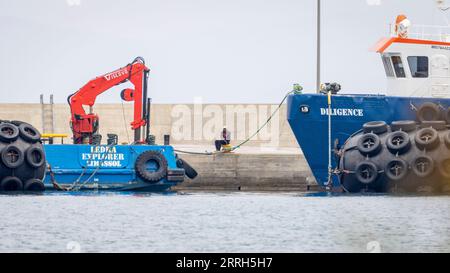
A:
(47, 112)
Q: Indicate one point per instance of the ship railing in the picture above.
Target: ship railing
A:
(426, 32)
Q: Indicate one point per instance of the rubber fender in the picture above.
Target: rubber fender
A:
(447, 140)
(16, 122)
(190, 172)
(147, 175)
(21, 152)
(12, 156)
(396, 169)
(35, 185)
(8, 132)
(176, 172)
(175, 178)
(438, 125)
(444, 168)
(398, 142)
(366, 172)
(428, 111)
(427, 138)
(35, 157)
(29, 133)
(375, 127)
(10, 183)
(424, 162)
(447, 115)
(369, 144)
(423, 166)
(404, 125)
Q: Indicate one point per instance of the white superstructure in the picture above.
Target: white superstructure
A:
(416, 62)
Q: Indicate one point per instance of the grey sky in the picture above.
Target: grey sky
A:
(229, 51)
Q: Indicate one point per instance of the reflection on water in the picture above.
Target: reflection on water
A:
(223, 222)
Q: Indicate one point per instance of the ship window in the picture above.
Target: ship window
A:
(398, 66)
(388, 66)
(418, 66)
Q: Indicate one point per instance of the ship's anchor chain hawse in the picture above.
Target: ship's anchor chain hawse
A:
(404, 156)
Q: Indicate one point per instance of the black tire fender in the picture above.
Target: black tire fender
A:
(427, 138)
(11, 183)
(444, 168)
(29, 133)
(438, 125)
(8, 132)
(190, 172)
(35, 185)
(369, 144)
(423, 166)
(35, 157)
(375, 127)
(398, 142)
(447, 115)
(428, 111)
(176, 172)
(403, 125)
(144, 173)
(175, 178)
(396, 169)
(12, 156)
(447, 140)
(366, 172)
(16, 122)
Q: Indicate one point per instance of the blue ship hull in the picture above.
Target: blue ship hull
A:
(88, 167)
(308, 118)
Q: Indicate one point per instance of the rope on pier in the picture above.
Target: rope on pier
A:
(297, 90)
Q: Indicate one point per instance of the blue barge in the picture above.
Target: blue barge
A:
(89, 167)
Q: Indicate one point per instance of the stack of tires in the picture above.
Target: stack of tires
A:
(22, 157)
(403, 157)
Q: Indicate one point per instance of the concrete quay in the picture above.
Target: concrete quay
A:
(247, 170)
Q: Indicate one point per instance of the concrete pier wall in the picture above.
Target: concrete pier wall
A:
(250, 172)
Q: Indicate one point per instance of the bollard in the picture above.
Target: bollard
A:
(166, 139)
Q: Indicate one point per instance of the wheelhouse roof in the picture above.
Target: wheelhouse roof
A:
(385, 43)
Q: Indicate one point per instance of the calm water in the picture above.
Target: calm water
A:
(240, 222)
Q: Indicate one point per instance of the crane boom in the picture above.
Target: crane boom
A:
(85, 125)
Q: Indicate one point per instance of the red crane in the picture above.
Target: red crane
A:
(85, 125)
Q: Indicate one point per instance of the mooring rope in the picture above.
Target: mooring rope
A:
(295, 91)
(193, 153)
(96, 169)
(267, 121)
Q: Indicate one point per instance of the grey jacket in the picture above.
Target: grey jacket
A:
(227, 135)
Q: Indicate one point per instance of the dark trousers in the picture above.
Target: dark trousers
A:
(219, 144)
